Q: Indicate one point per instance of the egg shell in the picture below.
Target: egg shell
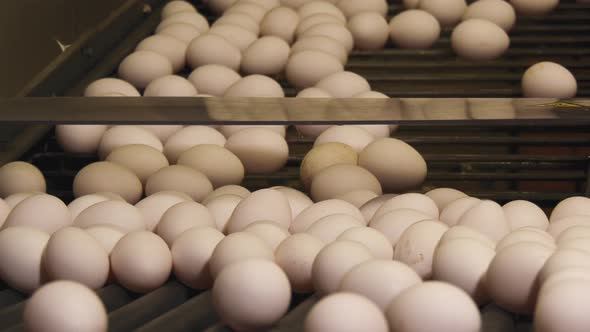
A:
(267, 56)
(525, 214)
(352, 7)
(142, 160)
(444, 196)
(114, 213)
(548, 79)
(563, 259)
(44, 212)
(162, 132)
(320, 7)
(173, 49)
(176, 6)
(415, 201)
(250, 210)
(526, 234)
(374, 240)
(217, 163)
(416, 246)
(213, 49)
(267, 4)
(170, 86)
(235, 35)
(141, 67)
(496, 11)
(81, 203)
(213, 79)
(280, 22)
(181, 217)
(179, 178)
(321, 209)
(229, 130)
(118, 136)
(330, 227)
(191, 253)
(255, 86)
(451, 214)
(269, 231)
(107, 177)
(107, 236)
(355, 137)
(79, 138)
(571, 206)
(184, 32)
(298, 201)
(344, 84)
(237, 247)
(155, 206)
(321, 43)
(252, 9)
(550, 315)
(414, 29)
(220, 6)
(467, 36)
(189, 137)
(369, 30)
(563, 224)
(464, 232)
(221, 208)
(241, 20)
(295, 255)
(230, 189)
(4, 211)
(573, 233)
(195, 19)
(488, 218)
(358, 197)
(304, 69)
(315, 19)
(260, 150)
(109, 86)
(339, 179)
(19, 176)
(448, 13)
(325, 155)
(369, 208)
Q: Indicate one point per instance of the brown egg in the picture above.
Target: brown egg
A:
(143, 160)
(109, 177)
(304, 69)
(280, 22)
(179, 178)
(118, 136)
(323, 156)
(19, 176)
(369, 30)
(339, 179)
(260, 150)
(241, 20)
(184, 32)
(321, 43)
(267, 56)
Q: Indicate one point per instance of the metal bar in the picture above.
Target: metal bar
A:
(114, 296)
(293, 321)
(10, 297)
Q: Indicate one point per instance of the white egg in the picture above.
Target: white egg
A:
(467, 36)
(141, 67)
(447, 12)
(548, 80)
(304, 69)
(213, 79)
(497, 11)
(213, 49)
(173, 49)
(414, 29)
(280, 22)
(267, 55)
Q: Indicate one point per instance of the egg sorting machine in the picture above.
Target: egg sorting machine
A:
(536, 150)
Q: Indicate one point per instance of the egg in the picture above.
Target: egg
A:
(338, 179)
(444, 196)
(236, 36)
(119, 214)
(487, 217)
(448, 13)
(267, 55)
(19, 176)
(294, 3)
(238, 247)
(334, 261)
(44, 212)
(110, 177)
(357, 197)
(315, 19)
(184, 32)
(255, 86)
(430, 306)
(417, 243)
(355, 137)
(252, 9)
(464, 263)
(551, 314)
(195, 19)
(191, 253)
(269, 231)
(526, 234)
(373, 279)
(170, 86)
(571, 206)
(298, 201)
(107, 236)
(79, 138)
(463, 232)
(573, 233)
(59, 300)
(250, 210)
(332, 30)
(563, 259)
(118, 136)
(280, 22)
(154, 206)
(563, 224)
(181, 217)
(241, 20)
(173, 49)
(260, 150)
(312, 131)
(162, 132)
(323, 156)
(141, 67)
(213, 79)
(525, 214)
(252, 281)
(81, 203)
(313, 213)
(176, 6)
(109, 86)
(304, 69)
(344, 84)
(73, 254)
(548, 79)
(330, 227)
(395, 223)
(414, 201)
(397, 165)
(369, 208)
(4, 211)
(374, 240)
(221, 208)
(229, 130)
(21, 252)
(326, 315)
(323, 44)
(218, 164)
(534, 8)
(267, 4)
(189, 137)
(179, 178)
(496, 11)
(451, 214)
(14, 199)
(320, 7)
(295, 255)
(142, 160)
(230, 189)
(220, 6)
(467, 36)
(212, 49)
(512, 276)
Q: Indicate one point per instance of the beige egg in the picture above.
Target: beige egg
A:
(197, 20)
(241, 20)
(413, 201)
(107, 236)
(315, 19)
(563, 224)
(322, 209)
(267, 56)
(358, 197)
(355, 137)
(572, 233)
(5, 210)
(374, 240)
(295, 4)
(534, 8)
(320, 7)
(255, 207)
(173, 49)
(298, 201)
(142, 160)
(464, 263)
(526, 234)
(81, 203)
(109, 86)
(496, 11)
(153, 207)
(141, 261)
(189, 137)
(414, 29)
(191, 253)
(218, 164)
(251, 281)
(212, 49)
(304, 69)
(464, 232)
(323, 44)
(579, 243)
(44, 212)
(323, 156)
(512, 276)
(213, 79)
(230, 189)
(444, 196)
(118, 136)
(332, 30)
(344, 84)
(571, 206)
(280, 22)
(467, 36)
(19, 176)
(170, 86)
(370, 30)
(567, 274)
(269, 231)
(373, 279)
(220, 6)
(79, 138)
(326, 314)
(24, 245)
(395, 223)
(181, 217)
(58, 300)
(295, 255)
(451, 214)
(229, 130)
(488, 218)
(119, 214)
(267, 4)
(525, 214)
(448, 13)
(255, 86)
(369, 208)
(339, 179)
(417, 243)
(548, 80)
(141, 67)
(330, 227)
(252, 9)
(238, 247)
(107, 177)
(179, 178)
(162, 132)
(176, 6)
(260, 150)
(430, 306)
(551, 313)
(73, 254)
(563, 259)
(397, 165)
(235, 35)
(184, 32)
(352, 7)
(312, 131)
(221, 208)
